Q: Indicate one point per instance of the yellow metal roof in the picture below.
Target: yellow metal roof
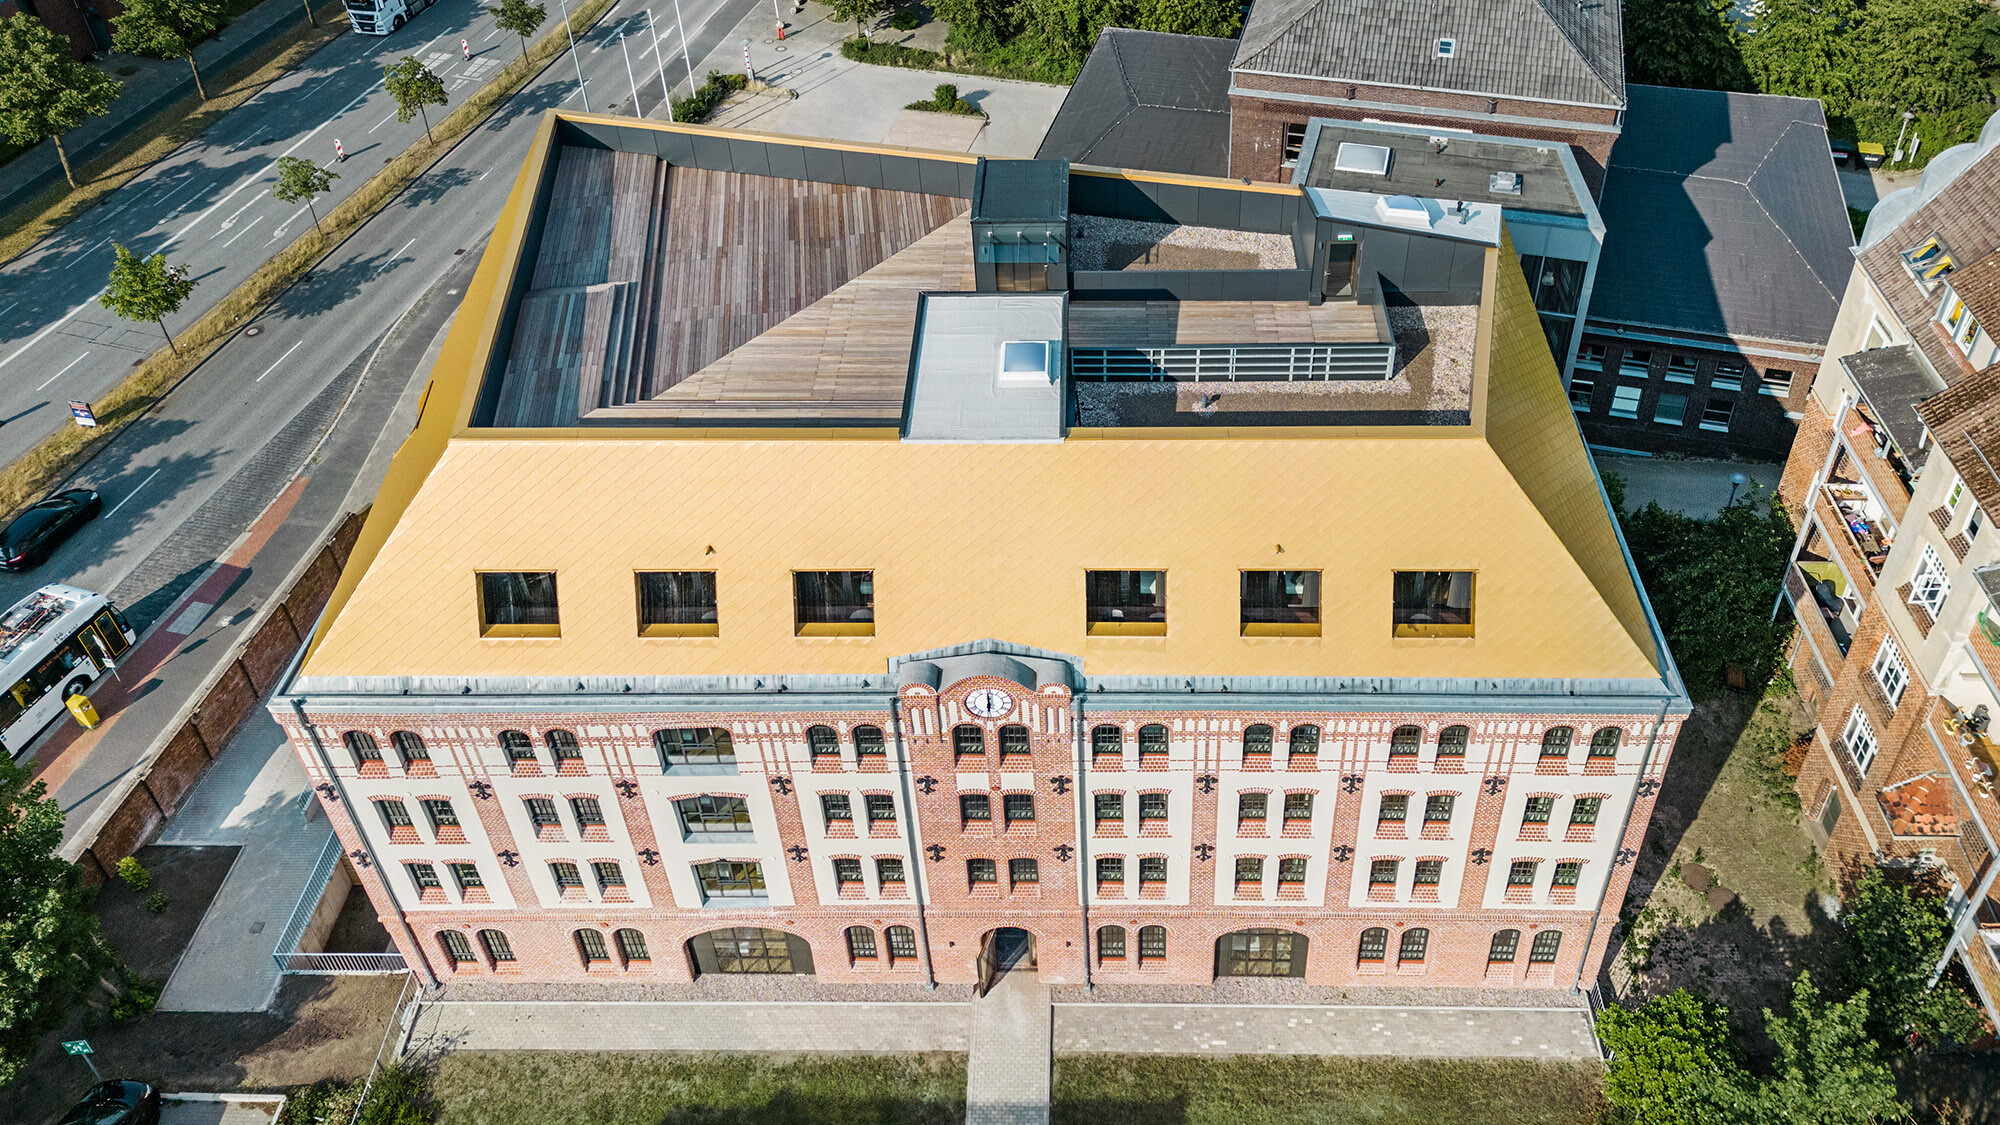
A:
(992, 540)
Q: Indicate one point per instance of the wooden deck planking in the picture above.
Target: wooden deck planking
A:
(576, 239)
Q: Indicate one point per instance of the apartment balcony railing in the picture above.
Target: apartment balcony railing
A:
(1880, 463)
(1826, 628)
(1863, 543)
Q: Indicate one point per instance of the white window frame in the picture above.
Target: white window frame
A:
(1622, 394)
(1659, 404)
(1859, 738)
(1930, 586)
(1890, 671)
(1580, 390)
(1956, 494)
(1585, 361)
(1766, 385)
(1709, 424)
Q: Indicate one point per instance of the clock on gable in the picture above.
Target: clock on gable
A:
(989, 703)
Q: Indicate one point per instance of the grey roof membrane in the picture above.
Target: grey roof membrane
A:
(957, 393)
(1024, 191)
(1893, 381)
(1723, 215)
(1149, 101)
(1551, 50)
(1465, 167)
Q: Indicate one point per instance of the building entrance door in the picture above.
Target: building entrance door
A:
(1007, 949)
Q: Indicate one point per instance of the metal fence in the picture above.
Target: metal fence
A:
(1281, 363)
(292, 960)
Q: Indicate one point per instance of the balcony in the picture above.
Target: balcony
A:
(1873, 485)
(1823, 601)
(1862, 540)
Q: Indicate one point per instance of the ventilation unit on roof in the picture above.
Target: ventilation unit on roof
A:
(1504, 183)
(1024, 363)
(1370, 160)
(1446, 48)
(1403, 211)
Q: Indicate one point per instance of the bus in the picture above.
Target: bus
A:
(54, 643)
(380, 17)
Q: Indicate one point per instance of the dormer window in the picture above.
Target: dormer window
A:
(1927, 262)
(1958, 321)
(1446, 48)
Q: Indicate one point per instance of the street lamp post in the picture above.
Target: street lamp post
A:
(1909, 115)
(660, 60)
(685, 60)
(1736, 481)
(627, 52)
(574, 57)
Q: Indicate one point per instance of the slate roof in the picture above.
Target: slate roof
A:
(1962, 214)
(1147, 100)
(1723, 215)
(1548, 50)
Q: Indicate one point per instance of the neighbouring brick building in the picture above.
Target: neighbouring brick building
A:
(1896, 576)
(822, 559)
(85, 23)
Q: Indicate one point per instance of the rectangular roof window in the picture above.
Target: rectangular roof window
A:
(1372, 160)
(1024, 363)
(1504, 183)
(1446, 48)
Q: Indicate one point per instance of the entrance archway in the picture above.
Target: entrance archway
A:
(1005, 950)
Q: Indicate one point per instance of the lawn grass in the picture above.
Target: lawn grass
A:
(582, 1088)
(1295, 1090)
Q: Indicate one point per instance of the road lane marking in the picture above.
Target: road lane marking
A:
(382, 122)
(3, 312)
(59, 374)
(81, 258)
(245, 230)
(281, 359)
(255, 176)
(400, 249)
(131, 494)
(37, 337)
(231, 220)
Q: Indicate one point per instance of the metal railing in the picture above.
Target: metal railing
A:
(288, 955)
(1236, 363)
(331, 963)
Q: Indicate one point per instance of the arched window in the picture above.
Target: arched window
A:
(968, 740)
(590, 946)
(1305, 741)
(1604, 744)
(1556, 740)
(694, 746)
(1152, 742)
(902, 943)
(457, 948)
(1257, 741)
(632, 947)
(518, 747)
(1110, 944)
(868, 742)
(1374, 946)
(1404, 743)
(1014, 741)
(861, 943)
(409, 747)
(1152, 944)
(1106, 741)
(361, 744)
(564, 751)
(748, 949)
(1452, 741)
(1547, 944)
(1416, 942)
(1506, 944)
(498, 949)
(823, 742)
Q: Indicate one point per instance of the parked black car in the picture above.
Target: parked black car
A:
(116, 1103)
(35, 533)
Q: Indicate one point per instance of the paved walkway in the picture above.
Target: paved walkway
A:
(1213, 1029)
(1007, 1077)
(1691, 486)
(250, 797)
(640, 1026)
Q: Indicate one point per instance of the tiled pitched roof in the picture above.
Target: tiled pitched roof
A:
(1724, 216)
(1963, 215)
(1964, 420)
(1978, 285)
(1148, 100)
(1552, 50)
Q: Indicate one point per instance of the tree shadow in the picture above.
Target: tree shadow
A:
(326, 289)
(434, 185)
(534, 100)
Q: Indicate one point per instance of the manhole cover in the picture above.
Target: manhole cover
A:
(770, 40)
(781, 50)
(253, 330)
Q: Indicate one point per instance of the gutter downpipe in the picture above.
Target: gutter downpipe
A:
(919, 881)
(1083, 860)
(1818, 481)
(1624, 826)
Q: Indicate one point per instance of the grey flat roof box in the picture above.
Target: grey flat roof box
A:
(1892, 382)
(987, 368)
(1021, 191)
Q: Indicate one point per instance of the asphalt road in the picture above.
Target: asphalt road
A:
(184, 483)
(209, 205)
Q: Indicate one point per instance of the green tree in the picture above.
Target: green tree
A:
(167, 29)
(521, 18)
(1828, 1071)
(302, 180)
(1920, 54)
(1218, 18)
(1065, 30)
(43, 92)
(1804, 48)
(1672, 1062)
(146, 289)
(860, 11)
(53, 951)
(976, 25)
(1895, 935)
(1712, 583)
(1688, 43)
(414, 86)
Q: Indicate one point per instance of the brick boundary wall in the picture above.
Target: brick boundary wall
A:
(149, 795)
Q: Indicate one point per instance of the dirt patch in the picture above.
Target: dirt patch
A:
(318, 1027)
(357, 930)
(151, 944)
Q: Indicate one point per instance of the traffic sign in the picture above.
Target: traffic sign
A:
(77, 1047)
(82, 412)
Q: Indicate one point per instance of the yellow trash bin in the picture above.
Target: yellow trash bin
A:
(79, 705)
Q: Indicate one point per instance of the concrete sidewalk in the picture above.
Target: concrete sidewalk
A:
(1688, 485)
(862, 1028)
(1225, 1029)
(250, 797)
(157, 85)
(1007, 1077)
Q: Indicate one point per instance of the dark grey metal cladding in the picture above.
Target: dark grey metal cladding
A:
(751, 158)
(787, 161)
(1021, 191)
(1189, 285)
(1435, 270)
(1893, 381)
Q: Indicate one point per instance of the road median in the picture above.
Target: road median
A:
(153, 378)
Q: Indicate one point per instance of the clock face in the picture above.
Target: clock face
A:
(989, 703)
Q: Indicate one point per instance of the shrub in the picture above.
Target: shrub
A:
(134, 874)
(889, 54)
(138, 997)
(906, 20)
(328, 1100)
(696, 107)
(157, 902)
(398, 1096)
(945, 99)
